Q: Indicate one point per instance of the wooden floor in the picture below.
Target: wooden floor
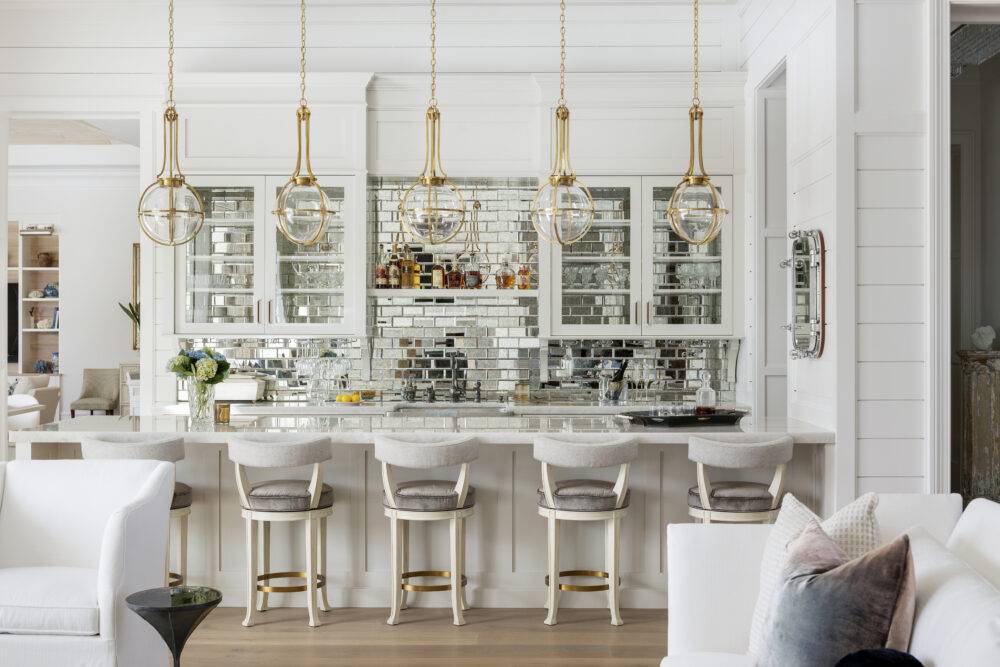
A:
(490, 637)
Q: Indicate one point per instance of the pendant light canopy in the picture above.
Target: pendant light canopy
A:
(563, 209)
(697, 210)
(303, 209)
(171, 212)
(432, 209)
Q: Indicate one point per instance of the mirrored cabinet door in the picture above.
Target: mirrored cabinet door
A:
(596, 281)
(687, 288)
(217, 277)
(308, 284)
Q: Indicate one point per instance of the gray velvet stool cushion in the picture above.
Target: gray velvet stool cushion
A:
(583, 495)
(286, 495)
(182, 496)
(430, 495)
(734, 497)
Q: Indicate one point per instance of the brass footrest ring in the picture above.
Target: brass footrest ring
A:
(429, 588)
(267, 576)
(580, 588)
(174, 579)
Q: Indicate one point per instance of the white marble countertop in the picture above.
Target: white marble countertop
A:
(360, 429)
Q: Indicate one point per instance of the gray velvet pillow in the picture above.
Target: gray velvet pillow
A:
(827, 607)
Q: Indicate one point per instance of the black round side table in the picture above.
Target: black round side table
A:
(174, 612)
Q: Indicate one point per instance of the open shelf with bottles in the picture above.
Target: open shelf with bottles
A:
(453, 292)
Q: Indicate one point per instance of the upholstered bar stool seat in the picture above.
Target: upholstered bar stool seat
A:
(584, 500)
(427, 500)
(429, 495)
(583, 495)
(738, 501)
(154, 447)
(735, 497)
(285, 500)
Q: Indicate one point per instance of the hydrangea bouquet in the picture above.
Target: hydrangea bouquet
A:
(202, 369)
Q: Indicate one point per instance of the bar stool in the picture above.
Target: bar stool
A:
(157, 448)
(584, 500)
(738, 502)
(284, 500)
(427, 500)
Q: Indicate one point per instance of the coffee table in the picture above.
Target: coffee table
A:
(174, 612)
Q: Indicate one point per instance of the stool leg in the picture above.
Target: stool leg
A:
(265, 545)
(404, 527)
(612, 547)
(553, 594)
(251, 571)
(395, 584)
(184, 549)
(324, 602)
(311, 572)
(461, 561)
(456, 575)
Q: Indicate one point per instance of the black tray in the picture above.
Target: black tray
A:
(718, 418)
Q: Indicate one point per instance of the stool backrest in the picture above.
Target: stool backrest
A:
(279, 450)
(149, 446)
(740, 451)
(426, 450)
(586, 450)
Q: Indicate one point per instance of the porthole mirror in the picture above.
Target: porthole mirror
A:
(807, 272)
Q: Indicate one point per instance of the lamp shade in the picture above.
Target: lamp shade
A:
(433, 212)
(303, 211)
(696, 210)
(562, 211)
(171, 212)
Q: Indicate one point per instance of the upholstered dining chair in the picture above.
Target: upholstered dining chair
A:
(738, 502)
(100, 391)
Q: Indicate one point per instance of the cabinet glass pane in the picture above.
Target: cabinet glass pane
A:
(310, 278)
(219, 261)
(687, 278)
(596, 269)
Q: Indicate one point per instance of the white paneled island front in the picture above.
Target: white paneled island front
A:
(506, 552)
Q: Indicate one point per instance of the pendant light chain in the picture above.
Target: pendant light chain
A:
(170, 54)
(562, 53)
(696, 99)
(434, 60)
(302, 53)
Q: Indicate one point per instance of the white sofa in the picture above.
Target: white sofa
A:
(713, 577)
(76, 538)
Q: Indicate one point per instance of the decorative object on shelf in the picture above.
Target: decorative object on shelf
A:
(44, 323)
(45, 259)
(171, 212)
(982, 337)
(36, 294)
(42, 366)
(202, 370)
(34, 229)
(303, 209)
(473, 248)
(563, 210)
(696, 210)
(808, 285)
(51, 291)
(505, 275)
(222, 412)
(432, 209)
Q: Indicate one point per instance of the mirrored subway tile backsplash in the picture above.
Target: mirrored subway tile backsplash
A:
(499, 349)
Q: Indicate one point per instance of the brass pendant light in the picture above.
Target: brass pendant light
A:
(303, 209)
(697, 210)
(563, 209)
(171, 212)
(432, 209)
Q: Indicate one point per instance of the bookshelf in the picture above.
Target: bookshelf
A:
(33, 263)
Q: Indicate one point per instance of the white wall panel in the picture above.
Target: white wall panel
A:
(891, 266)
(890, 457)
(891, 419)
(891, 151)
(890, 485)
(892, 342)
(892, 189)
(890, 57)
(887, 304)
(891, 226)
(891, 380)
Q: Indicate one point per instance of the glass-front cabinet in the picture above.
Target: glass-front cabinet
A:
(240, 275)
(632, 276)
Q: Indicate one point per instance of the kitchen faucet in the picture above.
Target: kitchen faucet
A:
(457, 389)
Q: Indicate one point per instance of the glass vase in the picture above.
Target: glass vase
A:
(201, 401)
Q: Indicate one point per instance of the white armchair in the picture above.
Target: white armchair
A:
(77, 537)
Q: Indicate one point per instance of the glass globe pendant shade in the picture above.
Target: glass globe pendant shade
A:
(303, 211)
(696, 211)
(171, 212)
(562, 212)
(433, 212)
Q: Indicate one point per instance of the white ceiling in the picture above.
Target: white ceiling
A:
(70, 132)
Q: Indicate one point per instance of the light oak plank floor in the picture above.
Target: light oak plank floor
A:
(490, 638)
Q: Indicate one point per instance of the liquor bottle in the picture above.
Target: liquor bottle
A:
(415, 270)
(505, 276)
(406, 267)
(705, 397)
(473, 275)
(454, 276)
(524, 277)
(437, 275)
(393, 271)
(381, 270)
